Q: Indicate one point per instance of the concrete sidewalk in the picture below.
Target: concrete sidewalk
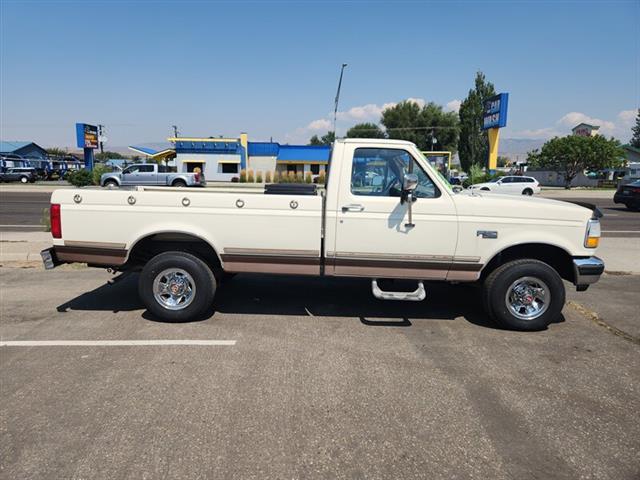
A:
(619, 254)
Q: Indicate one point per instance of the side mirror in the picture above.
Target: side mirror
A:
(409, 182)
(457, 189)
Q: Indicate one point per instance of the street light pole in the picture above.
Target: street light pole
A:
(335, 109)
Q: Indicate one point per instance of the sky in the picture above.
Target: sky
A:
(271, 68)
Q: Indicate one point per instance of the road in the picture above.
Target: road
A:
(22, 211)
(322, 381)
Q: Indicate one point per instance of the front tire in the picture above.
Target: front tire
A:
(111, 184)
(177, 287)
(524, 294)
(24, 180)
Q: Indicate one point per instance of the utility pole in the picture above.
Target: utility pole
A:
(101, 137)
(335, 109)
(175, 131)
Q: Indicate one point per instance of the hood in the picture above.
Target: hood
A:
(518, 207)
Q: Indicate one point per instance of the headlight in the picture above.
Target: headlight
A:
(592, 237)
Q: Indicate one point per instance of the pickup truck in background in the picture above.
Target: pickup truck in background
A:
(151, 174)
(385, 214)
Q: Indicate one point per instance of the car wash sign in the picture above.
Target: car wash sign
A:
(86, 135)
(494, 114)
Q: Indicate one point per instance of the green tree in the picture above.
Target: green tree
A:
(635, 139)
(326, 139)
(107, 155)
(408, 121)
(474, 144)
(365, 130)
(574, 154)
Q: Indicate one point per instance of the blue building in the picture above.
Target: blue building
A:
(22, 149)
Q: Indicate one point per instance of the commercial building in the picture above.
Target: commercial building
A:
(23, 149)
(222, 159)
(585, 130)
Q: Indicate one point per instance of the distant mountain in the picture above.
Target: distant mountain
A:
(511, 147)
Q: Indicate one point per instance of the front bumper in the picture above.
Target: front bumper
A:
(587, 271)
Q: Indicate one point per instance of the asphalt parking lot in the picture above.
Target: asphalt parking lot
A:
(316, 380)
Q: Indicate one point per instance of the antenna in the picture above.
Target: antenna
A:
(175, 131)
(335, 109)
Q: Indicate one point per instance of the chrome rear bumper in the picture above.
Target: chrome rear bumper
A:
(587, 271)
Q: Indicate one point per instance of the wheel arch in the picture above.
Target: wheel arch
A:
(553, 255)
(153, 243)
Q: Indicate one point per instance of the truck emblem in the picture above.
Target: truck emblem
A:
(77, 198)
(186, 202)
(239, 203)
(131, 199)
(293, 204)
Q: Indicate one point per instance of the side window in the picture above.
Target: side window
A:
(379, 172)
(146, 169)
(529, 180)
(229, 168)
(507, 180)
(131, 169)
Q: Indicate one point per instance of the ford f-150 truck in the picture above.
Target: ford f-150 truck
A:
(151, 174)
(385, 214)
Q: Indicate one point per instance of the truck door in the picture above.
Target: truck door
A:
(372, 234)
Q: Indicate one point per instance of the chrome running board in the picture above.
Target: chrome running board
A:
(417, 295)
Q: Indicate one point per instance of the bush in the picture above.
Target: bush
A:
(308, 178)
(291, 177)
(267, 177)
(259, 177)
(322, 177)
(98, 171)
(243, 176)
(299, 177)
(250, 177)
(79, 178)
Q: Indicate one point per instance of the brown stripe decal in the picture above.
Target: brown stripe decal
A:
(97, 256)
(410, 265)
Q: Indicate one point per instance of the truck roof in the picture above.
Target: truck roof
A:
(375, 140)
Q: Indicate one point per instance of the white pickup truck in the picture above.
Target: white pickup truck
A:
(385, 214)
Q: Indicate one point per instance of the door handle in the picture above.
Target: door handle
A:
(353, 207)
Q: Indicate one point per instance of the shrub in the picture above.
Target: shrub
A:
(79, 178)
(250, 177)
(299, 177)
(259, 177)
(283, 177)
(291, 177)
(308, 178)
(243, 176)
(322, 177)
(234, 179)
(98, 171)
(267, 177)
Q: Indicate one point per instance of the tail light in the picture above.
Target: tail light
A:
(56, 220)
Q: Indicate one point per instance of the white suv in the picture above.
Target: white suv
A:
(513, 184)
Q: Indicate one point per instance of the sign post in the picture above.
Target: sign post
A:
(493, 119)
(87, 139)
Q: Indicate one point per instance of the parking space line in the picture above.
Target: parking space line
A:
(112, 343)
(22, 226)
(620, 231)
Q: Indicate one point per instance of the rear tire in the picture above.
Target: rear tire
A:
(179, 184)
(24, 180)
(527, 191)
(524, 294)
(177, 287)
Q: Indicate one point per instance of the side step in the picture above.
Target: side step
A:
(417, 295)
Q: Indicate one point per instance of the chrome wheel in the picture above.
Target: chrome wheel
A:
(174, 289)
(527, 298)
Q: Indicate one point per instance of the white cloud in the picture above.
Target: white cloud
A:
(320, 124)
(453, 105)
(620, 128)
(540, 133)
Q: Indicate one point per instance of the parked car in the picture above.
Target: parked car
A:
(409, 224)
(151, 174)
(629, 195)
(23, 175)
(513, 185)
